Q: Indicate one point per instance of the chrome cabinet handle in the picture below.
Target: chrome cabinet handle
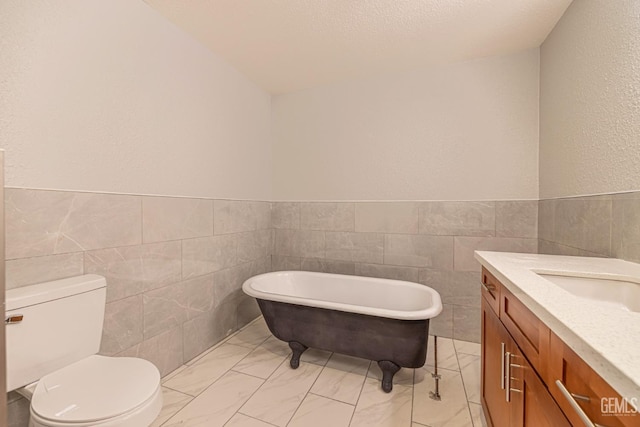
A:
(508, 388)
(508, 378)
(489, 288)
(502, 367)
(571, 398)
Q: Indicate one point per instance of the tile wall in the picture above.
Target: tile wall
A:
(426, 242)
(602, 226)
(174, 266)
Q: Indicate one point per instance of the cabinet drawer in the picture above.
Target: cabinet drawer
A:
(531, 335)
(588, 390)
(491, 290)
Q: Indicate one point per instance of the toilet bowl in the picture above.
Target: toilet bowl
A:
(52, 341)
(98, 391)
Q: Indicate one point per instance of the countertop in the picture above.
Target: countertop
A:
(607, 339)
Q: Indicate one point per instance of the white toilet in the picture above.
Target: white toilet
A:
(53, 333)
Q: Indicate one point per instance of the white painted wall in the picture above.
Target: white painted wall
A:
(109, 96)
(466, 131)
(590, 100)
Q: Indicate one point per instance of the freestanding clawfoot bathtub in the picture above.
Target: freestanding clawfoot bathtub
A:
(376, 319)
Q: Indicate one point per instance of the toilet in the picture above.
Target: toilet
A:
(53, 333)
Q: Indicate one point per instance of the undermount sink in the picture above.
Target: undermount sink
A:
(618, 294)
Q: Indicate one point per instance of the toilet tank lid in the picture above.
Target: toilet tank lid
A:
(48, 291)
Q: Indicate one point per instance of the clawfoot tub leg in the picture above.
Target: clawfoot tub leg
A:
(297, 349)
(389, 369)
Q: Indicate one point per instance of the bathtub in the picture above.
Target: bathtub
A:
(376, 319)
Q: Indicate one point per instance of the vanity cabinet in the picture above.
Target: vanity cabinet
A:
(512, 393)
(530, 377)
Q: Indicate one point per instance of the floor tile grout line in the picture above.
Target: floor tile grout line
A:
(464, 388)
(330, 398)
(248, 416)
(307, 393)
(220, 343)
(355, 407)
(261, 385)
(413, 394)
(245, 402)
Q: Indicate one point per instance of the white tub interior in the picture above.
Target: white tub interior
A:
(377, 297)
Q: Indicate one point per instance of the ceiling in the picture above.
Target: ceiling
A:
(288, 45)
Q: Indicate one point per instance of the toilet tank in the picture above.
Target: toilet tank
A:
(61, 324)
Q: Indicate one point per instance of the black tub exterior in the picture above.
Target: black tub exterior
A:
(392, 343)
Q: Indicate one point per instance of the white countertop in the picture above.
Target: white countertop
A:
(607, 339)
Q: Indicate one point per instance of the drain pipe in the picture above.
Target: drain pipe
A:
(435, 395)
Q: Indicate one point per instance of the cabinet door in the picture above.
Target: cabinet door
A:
(588, 391)
(532, 405)
(495, 339)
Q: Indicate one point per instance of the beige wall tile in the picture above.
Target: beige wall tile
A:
(454, 287)
(285, 215)
(458, 218)
(328, 266)
(442, 325)
(198, 296)
(356, 247)
(122, 325)
(234, 216)
(299, 243)
(29, 271)
(164, 351)
(552, 248)
(42, 223)
(131, 270)
(287, 243)
(625, 231)
(311, 244)
(327, 216)
(18, 413)
(164, 309)
(208, 254)
(465, 246)
(173, 218)
(584, 223)
(254, 245)
(466, 323)
(387, 217)
(419, 251)
(284, 263)
(387, 272)
(202, 332)
(546, 214)
(517, 219)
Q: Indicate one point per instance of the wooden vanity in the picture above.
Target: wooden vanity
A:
(530, 377)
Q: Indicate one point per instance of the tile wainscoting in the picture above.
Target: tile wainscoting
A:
(174, 266)
(602, 226)
(426, 242)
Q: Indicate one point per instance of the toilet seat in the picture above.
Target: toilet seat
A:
(98, 391)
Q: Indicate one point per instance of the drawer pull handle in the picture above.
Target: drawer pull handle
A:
(489, 287)
(502, 381)
(508, 389)
(571, 398)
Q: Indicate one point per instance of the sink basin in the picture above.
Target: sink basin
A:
(618, 294)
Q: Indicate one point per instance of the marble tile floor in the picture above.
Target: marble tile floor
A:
(246, 381)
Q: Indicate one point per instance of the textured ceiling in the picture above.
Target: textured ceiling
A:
(287, 45)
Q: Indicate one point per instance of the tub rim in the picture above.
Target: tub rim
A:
(427, 313)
